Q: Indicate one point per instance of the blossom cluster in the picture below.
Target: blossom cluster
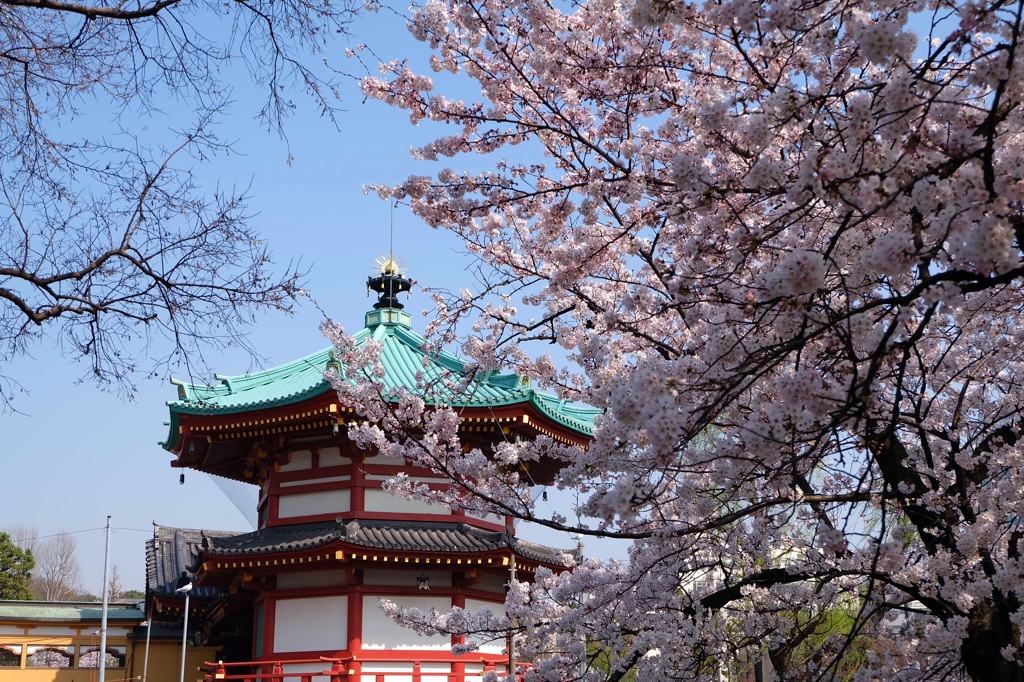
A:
(780, 245)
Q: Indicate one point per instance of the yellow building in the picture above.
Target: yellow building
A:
(60, 642)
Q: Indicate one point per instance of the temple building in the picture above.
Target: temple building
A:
(301, 593)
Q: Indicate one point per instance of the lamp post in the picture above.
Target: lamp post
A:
(184, 587)
(511, 634)
(144, 607)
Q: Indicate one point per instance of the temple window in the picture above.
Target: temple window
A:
(50, 656)
(10, 655)
(89, 657)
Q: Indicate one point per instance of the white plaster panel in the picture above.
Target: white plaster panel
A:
(479, 605)
(489, 518)
(373, 671)
(396, 671)
(435, 667)
(290, 668)
(300, 460)
(476, 605)
(384, 459)
(7, 630)
(387, 667)
(380, 501)
(331, 457)
(434, 671)
(414, 479)
(380, 632)
(312, 624)
(291, 581)
(307, 504)
(313, 481)
(406, 577)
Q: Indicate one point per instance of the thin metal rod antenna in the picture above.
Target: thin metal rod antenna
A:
(391, 246)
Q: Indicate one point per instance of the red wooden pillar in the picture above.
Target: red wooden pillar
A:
(458, 666)
(357, 498)
(354, 624)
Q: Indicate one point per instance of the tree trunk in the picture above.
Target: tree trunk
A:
(990, 630)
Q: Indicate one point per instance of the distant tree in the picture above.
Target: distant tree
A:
(25, 537)
(58, 573)
(106, 237)
(133, 595)
(15, 570)
(114, 587)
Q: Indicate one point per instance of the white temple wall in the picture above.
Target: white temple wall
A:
(438, 669)
(299, 460)
(311, 624)
(309, 504)
(380, 501)
(476, 605)
(331, 457)
(380, 632)
(413, 479)
(489, 518)
(307, 668)
(395, 671)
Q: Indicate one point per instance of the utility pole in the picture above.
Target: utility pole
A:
(106, 606)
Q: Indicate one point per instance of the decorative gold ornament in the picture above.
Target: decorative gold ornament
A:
(387, 264)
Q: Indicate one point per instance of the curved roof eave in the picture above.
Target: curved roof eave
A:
(442, 376)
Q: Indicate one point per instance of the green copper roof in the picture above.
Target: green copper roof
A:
(406, 364)
(69, 612)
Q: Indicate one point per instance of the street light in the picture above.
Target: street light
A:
(184, 587)
(144, 607)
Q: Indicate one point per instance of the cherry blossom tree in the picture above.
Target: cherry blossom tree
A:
(108, 241)
(780, 243)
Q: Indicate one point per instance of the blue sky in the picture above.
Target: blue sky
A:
(75, 455)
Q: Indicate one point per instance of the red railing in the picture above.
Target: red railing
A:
(219, 670)
(339, 669)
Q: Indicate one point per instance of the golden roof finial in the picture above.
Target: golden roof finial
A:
(387, 264)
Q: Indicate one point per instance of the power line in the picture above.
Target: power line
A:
(89, 530)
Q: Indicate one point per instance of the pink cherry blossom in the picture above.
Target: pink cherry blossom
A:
(780, 246)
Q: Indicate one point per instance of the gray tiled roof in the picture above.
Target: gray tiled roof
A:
(390, 535)
(171, 551)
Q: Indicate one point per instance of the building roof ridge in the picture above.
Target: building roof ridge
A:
(410, 361)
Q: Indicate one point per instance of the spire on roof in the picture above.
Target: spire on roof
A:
(389, 283)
